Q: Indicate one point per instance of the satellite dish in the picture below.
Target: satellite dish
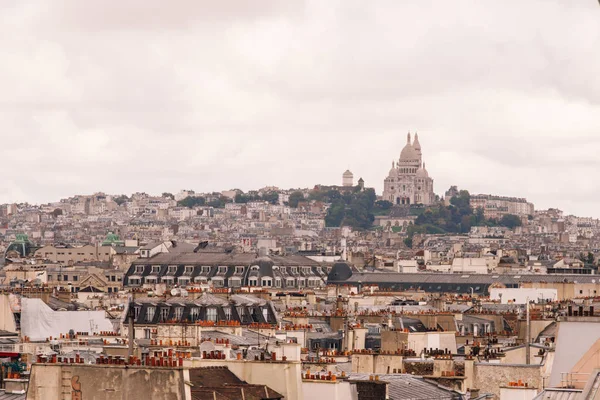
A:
(175, 292)
(184, 293)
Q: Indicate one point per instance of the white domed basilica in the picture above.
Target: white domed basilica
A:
(408, 181)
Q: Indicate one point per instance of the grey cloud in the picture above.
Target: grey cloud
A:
(155, 96)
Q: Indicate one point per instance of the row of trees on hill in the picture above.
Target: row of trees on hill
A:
(458, 217)
(271, 197)
(195, 201)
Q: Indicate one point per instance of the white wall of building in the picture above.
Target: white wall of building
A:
(521, 295)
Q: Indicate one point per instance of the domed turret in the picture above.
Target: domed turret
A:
(408, 153)
(417, 145)
(392, 170)
(348, 178)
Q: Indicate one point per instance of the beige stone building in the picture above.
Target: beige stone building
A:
(497, 206)
(408, 181)
(71, 255)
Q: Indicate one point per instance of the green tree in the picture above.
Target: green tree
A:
(295, 198)
(271, 197)
(121, 199)
(354, 209)
(241, 198)
(335, 214)
(192, 201)
(168, 195)
(590, 258)
(219, 202)
(510, 221)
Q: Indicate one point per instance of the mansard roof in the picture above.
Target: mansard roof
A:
(225, 259)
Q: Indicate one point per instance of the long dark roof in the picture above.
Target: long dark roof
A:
(225, 259)
(484, 279)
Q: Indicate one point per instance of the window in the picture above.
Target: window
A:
(239, 270)
(205, 270)
(150, 313)
(188, 269)
(49, 277)
(146, 333)
(222, 270)
(65, 278)
(178, 313)
(227, 311)
(164, 314)
(172, 269)
(139, 269)
(75, 278)
(155, 269)
(194, 314)
(211, 314)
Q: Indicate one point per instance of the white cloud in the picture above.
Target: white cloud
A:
(155, 96)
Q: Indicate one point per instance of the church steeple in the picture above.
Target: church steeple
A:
(408, 138)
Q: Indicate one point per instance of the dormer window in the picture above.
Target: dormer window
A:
(139, 269)
(294, 270)
(205, 269)
(188, 269)
(155, 269)
(239, 270)
(164, 314)
(222, 269)
(178, 313)
(172, 269)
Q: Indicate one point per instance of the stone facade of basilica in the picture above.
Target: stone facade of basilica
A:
(408, 181)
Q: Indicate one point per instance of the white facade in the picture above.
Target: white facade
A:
(406, 266)
(470, 266)
(408, 181)
(348, 179)
(522, 295)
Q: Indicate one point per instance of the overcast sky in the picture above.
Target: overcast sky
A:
(150, 95)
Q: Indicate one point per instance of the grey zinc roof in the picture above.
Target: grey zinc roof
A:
(226, 259)
(383, 277)
(409, 387)
(12, 396)
(558, 394)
